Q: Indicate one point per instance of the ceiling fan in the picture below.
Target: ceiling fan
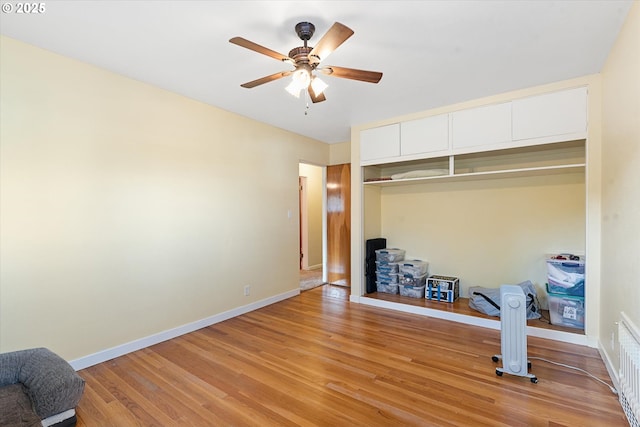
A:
(306, 60)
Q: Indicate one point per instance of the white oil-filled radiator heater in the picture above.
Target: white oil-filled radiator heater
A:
(513, 333)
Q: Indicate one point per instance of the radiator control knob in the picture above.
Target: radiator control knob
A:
(514, 303)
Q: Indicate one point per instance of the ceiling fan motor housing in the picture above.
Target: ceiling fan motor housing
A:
(300, 54)
(305, 30)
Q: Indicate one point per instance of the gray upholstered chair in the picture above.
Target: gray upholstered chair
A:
(38, 387)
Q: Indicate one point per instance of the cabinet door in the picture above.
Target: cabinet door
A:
(379, 143)
(424, 135)
(487, 125)
(556, 113)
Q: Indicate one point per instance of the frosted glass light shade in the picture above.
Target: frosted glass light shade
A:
(318, 86)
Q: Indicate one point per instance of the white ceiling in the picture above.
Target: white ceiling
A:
(432, 53)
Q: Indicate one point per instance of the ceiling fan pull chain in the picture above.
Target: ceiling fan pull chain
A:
(305, 100)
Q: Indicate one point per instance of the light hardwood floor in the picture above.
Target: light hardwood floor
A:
(319, 360)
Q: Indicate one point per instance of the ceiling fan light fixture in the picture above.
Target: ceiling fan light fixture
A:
(294, 88)
(300, 80)
(302, 77)
(317, 85)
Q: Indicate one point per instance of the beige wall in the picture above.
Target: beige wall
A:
(314, 213)
(340, 153)
(128, 210)
(621, 183)
(490, 232)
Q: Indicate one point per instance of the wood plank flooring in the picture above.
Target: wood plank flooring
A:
(319, 360)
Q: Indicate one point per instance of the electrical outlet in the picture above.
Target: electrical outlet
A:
(247, 290)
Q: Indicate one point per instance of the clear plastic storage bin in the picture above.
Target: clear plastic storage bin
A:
(387, 277)
(386, 267)
(390, 255)
(414, 267)
(412, 291)
(411, 280)
(387, 288)
(565, 274)
(566, 310)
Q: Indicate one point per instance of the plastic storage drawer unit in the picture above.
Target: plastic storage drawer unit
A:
(442, 288)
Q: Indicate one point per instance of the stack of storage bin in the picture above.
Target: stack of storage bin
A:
(387, 269)
(565, 286)
(413, 277)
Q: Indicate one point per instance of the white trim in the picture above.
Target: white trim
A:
(613, 373)
(551, 334)
(120, 350)
(304, 222)
(325, 244)
(429, 312)
(57, 418)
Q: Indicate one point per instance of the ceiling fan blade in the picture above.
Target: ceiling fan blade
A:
(315, 98)
(260, 49)
(333, 38)
(351, 73)
(266, 79)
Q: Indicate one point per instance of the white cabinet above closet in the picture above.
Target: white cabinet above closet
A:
(427, 135)
(536, 120)
(487, 125)
(379, 143)
(557, 113)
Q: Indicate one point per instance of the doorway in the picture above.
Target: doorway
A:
(325, 225)
(311, 182)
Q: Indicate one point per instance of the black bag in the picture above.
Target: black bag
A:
(487, 300)
(370, 262)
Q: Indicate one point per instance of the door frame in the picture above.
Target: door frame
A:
(303, 228)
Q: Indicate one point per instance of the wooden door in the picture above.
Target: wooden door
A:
(339, 224)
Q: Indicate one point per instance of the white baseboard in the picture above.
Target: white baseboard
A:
(120, 350)
(314, 267)
(604, 355)
(429, 312)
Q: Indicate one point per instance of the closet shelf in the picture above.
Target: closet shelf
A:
(511, 173)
